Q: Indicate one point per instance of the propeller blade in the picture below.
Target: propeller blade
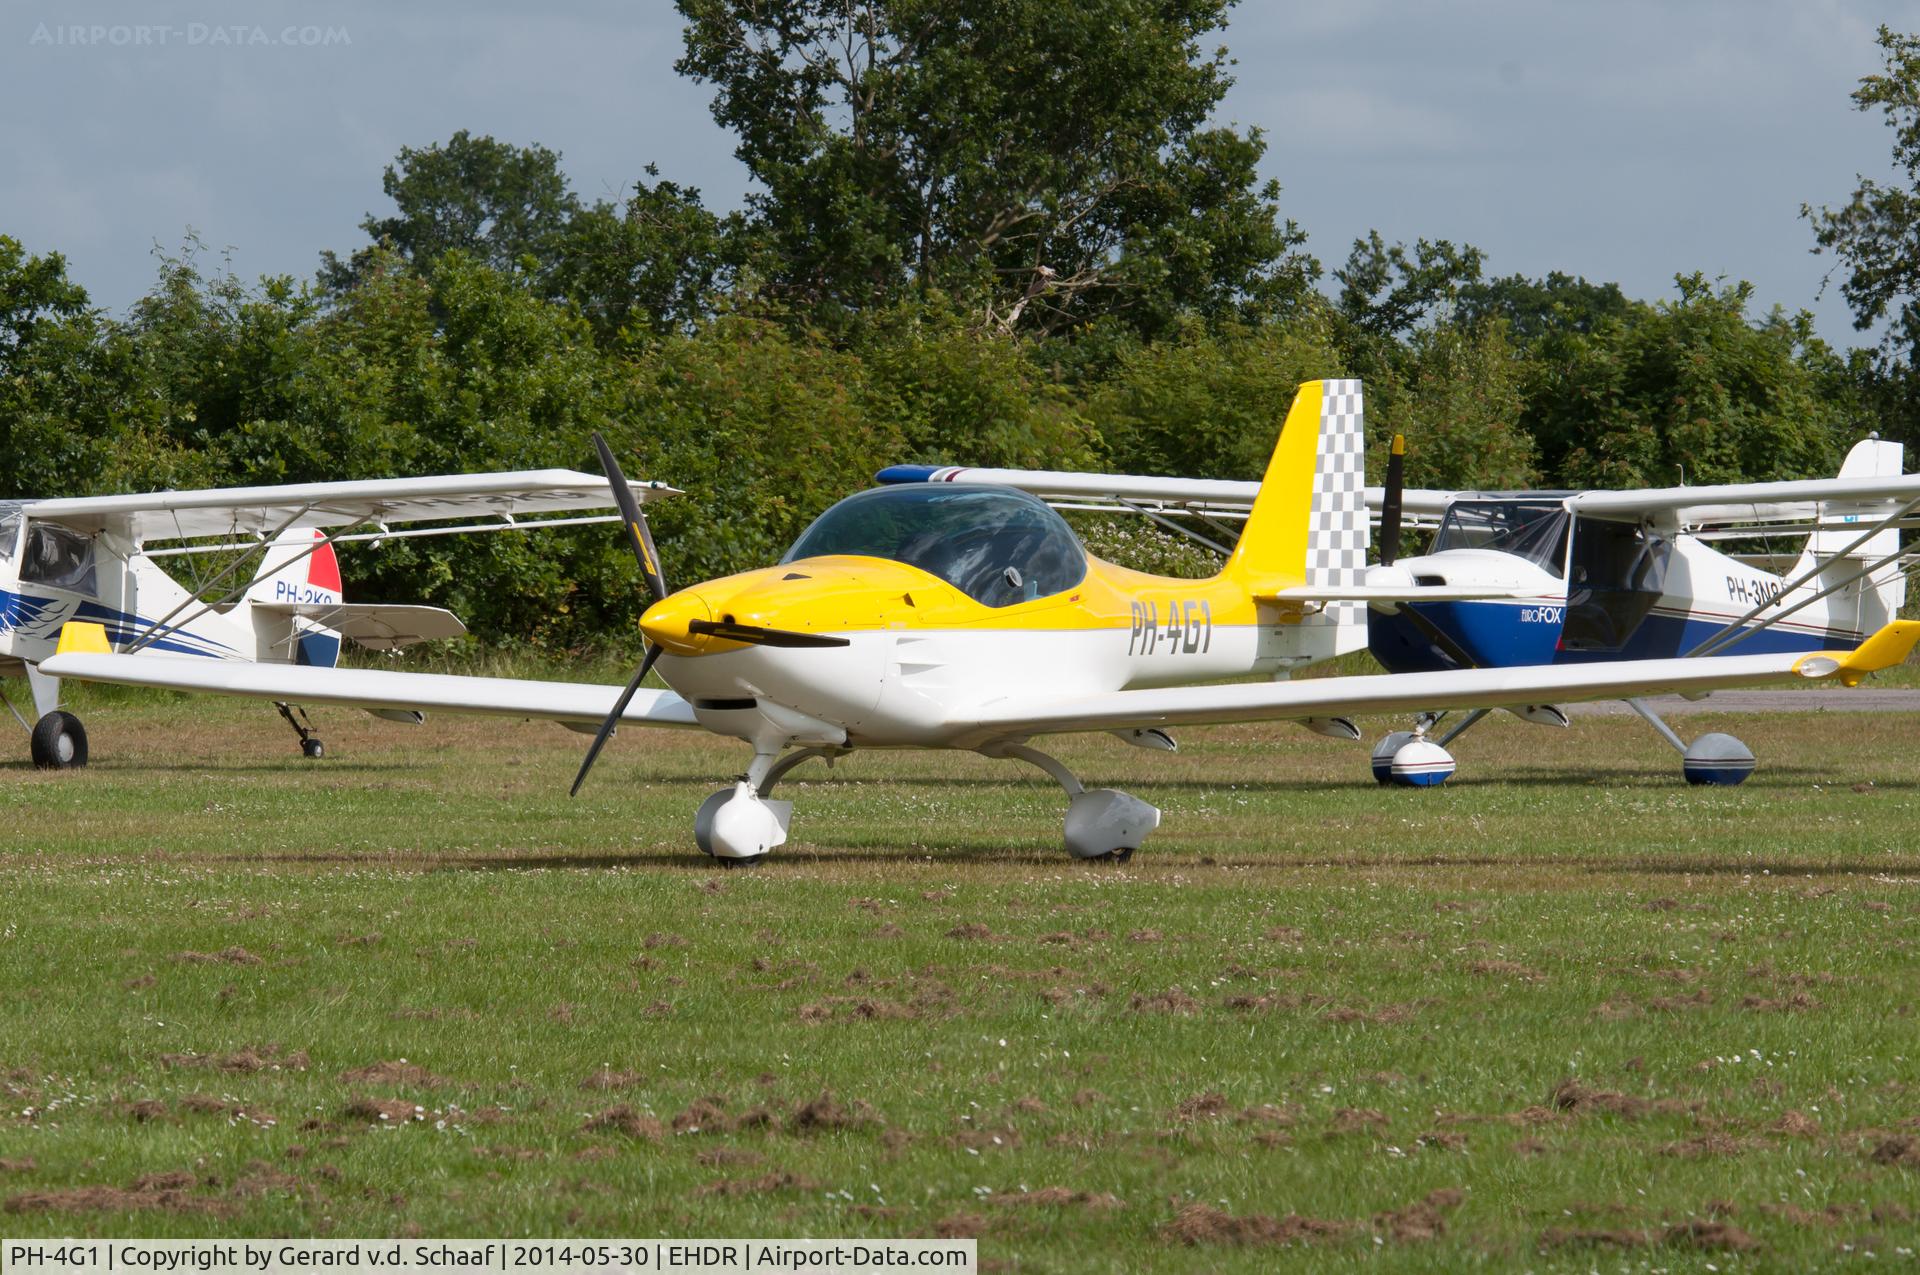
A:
(613, 718)
(637, 530)
(757, 635)
(1390, 505)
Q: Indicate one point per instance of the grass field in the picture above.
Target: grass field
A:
(1565, 1014)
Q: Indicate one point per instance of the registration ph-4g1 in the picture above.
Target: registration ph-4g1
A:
(45, 1257)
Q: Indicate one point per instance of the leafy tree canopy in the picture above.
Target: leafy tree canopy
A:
(1686, 390)
(1051, 162)
(1876, 234)
(501, 204)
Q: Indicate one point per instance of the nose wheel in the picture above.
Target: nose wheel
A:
(739, 825)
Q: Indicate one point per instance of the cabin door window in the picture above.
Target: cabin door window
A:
(58, 558)
(1616, 571)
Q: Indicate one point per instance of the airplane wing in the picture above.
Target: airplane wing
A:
(1130, 492)
(375, 625)
(575, 703)
(248, 511)
(1835, 502)
(1418, 692)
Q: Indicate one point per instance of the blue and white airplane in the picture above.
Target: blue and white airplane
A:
(273, 594)
(1576, 577)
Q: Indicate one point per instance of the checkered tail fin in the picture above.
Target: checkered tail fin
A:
(1309, 521)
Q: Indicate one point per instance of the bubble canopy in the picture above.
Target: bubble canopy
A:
(997, 545)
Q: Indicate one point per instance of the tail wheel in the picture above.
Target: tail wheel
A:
(312, 747)
(59, 742)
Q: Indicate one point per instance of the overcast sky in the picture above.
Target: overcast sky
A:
(1621, 140)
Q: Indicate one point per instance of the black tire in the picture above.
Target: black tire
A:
(313, 748)
(750, 861)
(59, 742)
(1113, 856)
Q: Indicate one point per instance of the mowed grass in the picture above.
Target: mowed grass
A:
(1566, 1013)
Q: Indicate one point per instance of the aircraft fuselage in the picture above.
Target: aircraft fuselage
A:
(1661, 599)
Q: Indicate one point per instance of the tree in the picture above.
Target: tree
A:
(35, 297)
(1686, 390)
(1532, 308)
(1051, 162)
(1388, 292)
(654, 264)
(504, 205)
(763, 424)
(1876, 234)
(1457, 398)
(1208, 403)
(958, 398)
(48, 334)
(80, 409)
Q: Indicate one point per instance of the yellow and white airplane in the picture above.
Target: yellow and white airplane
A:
(969, 617)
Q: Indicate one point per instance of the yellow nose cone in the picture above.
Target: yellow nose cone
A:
(666, 621)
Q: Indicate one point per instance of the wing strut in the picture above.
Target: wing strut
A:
(166, 624)
(1734, 633)
(1175, 527)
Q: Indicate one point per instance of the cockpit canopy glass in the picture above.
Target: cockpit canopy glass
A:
(1532, 529)
(994, 544)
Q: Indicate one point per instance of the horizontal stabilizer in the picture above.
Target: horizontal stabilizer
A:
(1888, 646)
(1394, 593)
(374, 625)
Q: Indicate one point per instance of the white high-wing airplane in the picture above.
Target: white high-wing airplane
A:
(276, 599)
(1590, 577)
(969, 617)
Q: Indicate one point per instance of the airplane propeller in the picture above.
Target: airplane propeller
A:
(637, 531)
(641, 539)
(1390, 505)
